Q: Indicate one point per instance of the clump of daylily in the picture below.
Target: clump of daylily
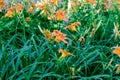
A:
(72, 26)
(58, 36)
(14, 10)
(65, 53)
(116, 50)
(48, 7)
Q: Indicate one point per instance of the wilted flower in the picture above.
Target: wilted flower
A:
(92, 32)
(73, 72)
(64, 53)
(118, 69)
(47, 34)
(117, 51)
(73, 26)
(28, 19)
(116, 31)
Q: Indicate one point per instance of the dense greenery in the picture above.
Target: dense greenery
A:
(26, 53)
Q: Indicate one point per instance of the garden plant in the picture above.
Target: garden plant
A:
(60, 40)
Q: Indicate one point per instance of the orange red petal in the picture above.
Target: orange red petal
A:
(2, 4)
(64, 53)
(60, 15)
(59, 36)
(72, 26)
(116, 50)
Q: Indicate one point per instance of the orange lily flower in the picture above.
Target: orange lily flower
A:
(42, 6)
(74, 4)
(47, 34)
(2, 4)
(64, 53)
(10, 12)
(32, 4)
(19, 7)
(45, 8)
(59, 36)
(54, 2)
(73, 26)
(93, 2)
(30, 9)
(118, 1)
(60, 15)
(117, 51)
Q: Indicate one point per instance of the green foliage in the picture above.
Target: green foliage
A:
(25, 53)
